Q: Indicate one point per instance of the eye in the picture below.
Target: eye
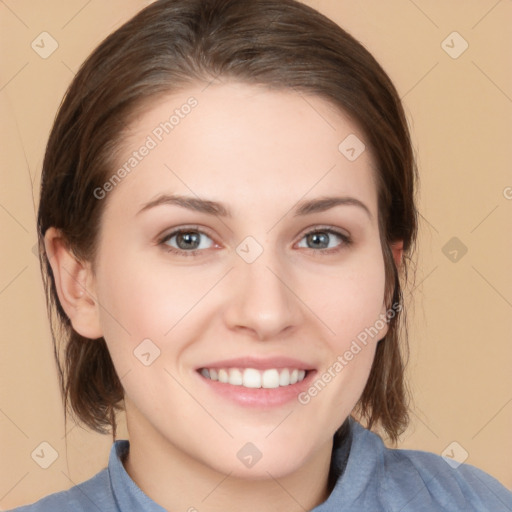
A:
(325, 239)
(187, 242)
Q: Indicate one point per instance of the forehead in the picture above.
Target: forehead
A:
(246, 145)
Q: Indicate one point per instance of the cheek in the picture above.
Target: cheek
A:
(351, 300)
(357, 325)
(145, 299)
(132, 305)
(351, 306)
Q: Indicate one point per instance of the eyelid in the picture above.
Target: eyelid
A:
(345, 242)
(315, 228)
(162, 240)
(324, 227)
(170, 232)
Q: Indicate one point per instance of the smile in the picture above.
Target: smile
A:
(253, 378)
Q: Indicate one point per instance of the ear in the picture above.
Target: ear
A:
(74, 282)
(397, 248)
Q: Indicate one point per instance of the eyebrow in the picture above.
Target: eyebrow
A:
(191, 203)
(326, 203)
(218, 209)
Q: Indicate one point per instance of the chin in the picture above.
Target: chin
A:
(259, 460)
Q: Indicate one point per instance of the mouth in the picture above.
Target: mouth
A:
(260, 384)
(253, 378)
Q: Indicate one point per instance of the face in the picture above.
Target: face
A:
(241, 245)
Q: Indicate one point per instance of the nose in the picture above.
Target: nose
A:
(261, 301)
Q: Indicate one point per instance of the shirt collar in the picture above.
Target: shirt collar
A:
(355, 458)
(127, 495)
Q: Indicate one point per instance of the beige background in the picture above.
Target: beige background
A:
(460, 111)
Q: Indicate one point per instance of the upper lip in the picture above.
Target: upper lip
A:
(259, 363)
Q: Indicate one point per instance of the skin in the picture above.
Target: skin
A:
(258, 152)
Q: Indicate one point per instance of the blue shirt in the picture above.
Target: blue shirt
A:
(365, 474)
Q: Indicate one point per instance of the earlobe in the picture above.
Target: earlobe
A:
(397, 248)
(74, 284)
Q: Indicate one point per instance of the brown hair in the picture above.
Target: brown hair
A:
(174, 43)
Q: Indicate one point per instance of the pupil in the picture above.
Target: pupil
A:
(319, 239)
(188, 240)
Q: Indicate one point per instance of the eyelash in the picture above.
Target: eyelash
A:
(346, 241)
(191, 229)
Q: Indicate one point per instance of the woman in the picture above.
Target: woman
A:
(227, 212)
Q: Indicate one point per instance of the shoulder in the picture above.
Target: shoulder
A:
(442, 482)
(93, 494)
(413, 480)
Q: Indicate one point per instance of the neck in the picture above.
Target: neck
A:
(177, 481)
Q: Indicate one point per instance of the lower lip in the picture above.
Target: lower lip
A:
(259, 397)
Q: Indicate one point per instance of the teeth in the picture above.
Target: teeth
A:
(270, 379)
(252, 378)
(284, 377)
(235, 377)
(223, 375)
